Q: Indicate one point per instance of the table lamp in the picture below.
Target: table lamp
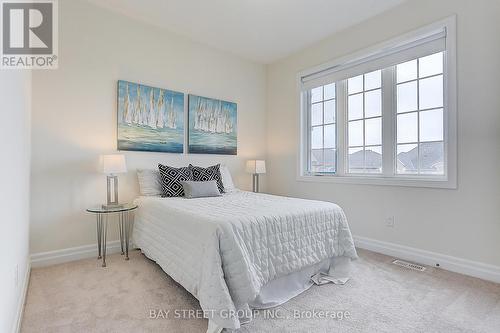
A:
(111, 165)
(256, 167)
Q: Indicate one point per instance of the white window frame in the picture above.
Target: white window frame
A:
(388, 177)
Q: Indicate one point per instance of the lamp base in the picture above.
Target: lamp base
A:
(112, 206)
(255, 182)
(112, 193)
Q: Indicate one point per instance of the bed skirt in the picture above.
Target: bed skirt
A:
(281, 290)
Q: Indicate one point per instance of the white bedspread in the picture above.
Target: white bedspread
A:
(224, 249)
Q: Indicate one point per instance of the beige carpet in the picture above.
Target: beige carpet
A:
(83, 297)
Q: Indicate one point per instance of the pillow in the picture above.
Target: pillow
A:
(149, 182)
(202, 189)
(227, 180)
(205, 174)
(171, 178)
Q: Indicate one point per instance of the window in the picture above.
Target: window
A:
(364, 123)
(323, 137)
(420, 131)
(388, 117)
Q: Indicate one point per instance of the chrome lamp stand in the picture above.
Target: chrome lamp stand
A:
(255, 182)
(112, 194)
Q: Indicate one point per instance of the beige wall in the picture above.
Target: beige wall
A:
(465, 222)
(15, 97)
(74, 121)
(74, 113)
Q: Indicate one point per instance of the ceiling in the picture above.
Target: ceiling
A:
(259, 30)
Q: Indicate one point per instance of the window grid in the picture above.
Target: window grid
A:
(320, 151)
(320, 167)
(436, 111)
(418, 112)
(364, 118)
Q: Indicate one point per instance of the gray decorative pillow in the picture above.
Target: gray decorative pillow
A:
(193, 189)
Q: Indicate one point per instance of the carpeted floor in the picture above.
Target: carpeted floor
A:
(381, 297)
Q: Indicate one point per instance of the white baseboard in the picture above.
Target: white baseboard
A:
(22, 300)
(454, 264)
(71, 254)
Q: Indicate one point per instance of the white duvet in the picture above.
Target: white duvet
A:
(223, 250)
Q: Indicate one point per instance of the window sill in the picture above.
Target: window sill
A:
(428, 182)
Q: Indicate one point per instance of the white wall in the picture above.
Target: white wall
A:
(74, 121)
(465, 222)
(15, 97)
(74, 113)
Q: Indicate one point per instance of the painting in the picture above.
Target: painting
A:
(150, 119)
(212, 126)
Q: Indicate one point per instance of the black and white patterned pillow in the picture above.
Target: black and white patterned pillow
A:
(171, 180)
(207, 174)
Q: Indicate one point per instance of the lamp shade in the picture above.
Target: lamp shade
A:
(256, 166)
(112, 164)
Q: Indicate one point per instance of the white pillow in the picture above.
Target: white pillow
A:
(227, 181)
(149, 182)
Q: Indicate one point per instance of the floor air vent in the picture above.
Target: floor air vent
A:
(409, 265)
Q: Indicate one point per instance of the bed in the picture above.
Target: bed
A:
(243, 250)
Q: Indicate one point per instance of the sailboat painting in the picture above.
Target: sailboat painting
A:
(150, 119)
(212, 126)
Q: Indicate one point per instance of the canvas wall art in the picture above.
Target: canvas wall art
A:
(212, 126)
(150, 119)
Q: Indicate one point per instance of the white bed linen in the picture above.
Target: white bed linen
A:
(223, 250)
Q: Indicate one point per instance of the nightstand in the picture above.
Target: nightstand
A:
(125, 220)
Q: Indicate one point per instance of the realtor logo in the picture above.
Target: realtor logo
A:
(29, 34)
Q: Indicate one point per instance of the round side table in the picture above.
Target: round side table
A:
(125, 220)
